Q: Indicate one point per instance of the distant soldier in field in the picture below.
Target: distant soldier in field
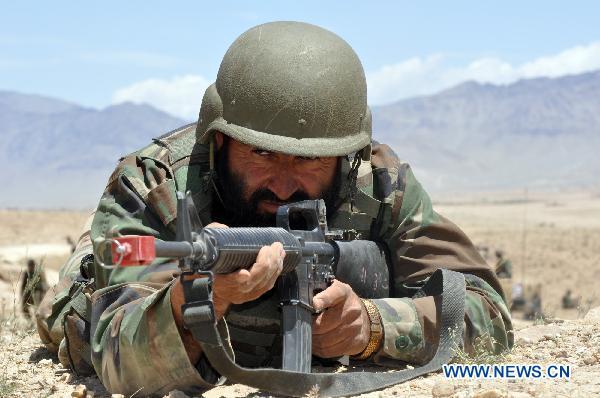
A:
(32, 287)
(568, 301)
(518, 297)
(71, 243)
(503, 265)
(533, 308)
(503, 270)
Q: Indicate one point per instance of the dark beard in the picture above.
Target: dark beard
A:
(235, 211)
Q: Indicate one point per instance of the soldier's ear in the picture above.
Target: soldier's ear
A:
(219, 138)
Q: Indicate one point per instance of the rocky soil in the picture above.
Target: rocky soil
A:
(28, 370)
(553, 241)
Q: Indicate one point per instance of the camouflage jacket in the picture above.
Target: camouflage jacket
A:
(135, 343)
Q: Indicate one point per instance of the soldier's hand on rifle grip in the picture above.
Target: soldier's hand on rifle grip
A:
(241, 286)
(343, 328)
(249, 284)
(234, 288)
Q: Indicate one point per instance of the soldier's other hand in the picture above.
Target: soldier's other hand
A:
(343, 328)
(249, 284)
(241, 286)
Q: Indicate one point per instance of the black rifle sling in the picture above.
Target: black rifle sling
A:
(450, 285)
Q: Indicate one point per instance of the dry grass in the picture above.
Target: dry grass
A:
(481, 353)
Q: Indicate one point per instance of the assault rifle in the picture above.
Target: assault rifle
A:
(315, 256)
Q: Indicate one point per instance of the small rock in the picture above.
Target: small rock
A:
(537, 333)
(178, 394)
(591, 360)
(523, 341)
(560, 353)
(45, 362)
(66, 377)
(442, 389)
(593, 314)
(90, 394)
(117, 396)
(79, 391)
(489, 394)
(60, 370)
(340, 369)
(550, 344)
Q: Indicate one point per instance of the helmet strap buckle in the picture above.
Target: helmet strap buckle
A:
(355, 160)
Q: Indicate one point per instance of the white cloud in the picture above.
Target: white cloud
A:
(415, 76)
(423, 76)
(180, 96)
(574, 60)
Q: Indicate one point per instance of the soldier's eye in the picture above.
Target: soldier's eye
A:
(308, 157)
(261, 152)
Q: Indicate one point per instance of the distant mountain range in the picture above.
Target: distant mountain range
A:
(57, 154)
(539, 133)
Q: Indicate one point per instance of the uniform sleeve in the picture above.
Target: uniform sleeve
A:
(135, 340)
(57, 300)
(421, 241)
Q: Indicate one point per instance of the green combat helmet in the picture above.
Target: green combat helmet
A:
(289, 87)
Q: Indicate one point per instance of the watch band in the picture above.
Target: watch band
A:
(376, 336)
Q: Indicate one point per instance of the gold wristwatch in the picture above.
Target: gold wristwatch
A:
(376, 336)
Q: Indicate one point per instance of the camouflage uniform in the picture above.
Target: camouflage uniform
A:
(135, 343)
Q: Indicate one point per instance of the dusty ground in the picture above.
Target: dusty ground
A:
(41, 235)
(553, 240)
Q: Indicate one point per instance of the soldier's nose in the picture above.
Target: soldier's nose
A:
(283, 187)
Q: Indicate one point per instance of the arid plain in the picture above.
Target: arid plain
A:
(552, 239)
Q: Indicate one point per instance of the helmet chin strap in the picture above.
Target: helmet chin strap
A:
(211, 153)
(213, 171)
(353, 175)
(349, 173)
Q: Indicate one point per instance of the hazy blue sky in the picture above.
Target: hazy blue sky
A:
(165, 53)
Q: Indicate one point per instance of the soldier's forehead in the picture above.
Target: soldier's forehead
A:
(252, 148)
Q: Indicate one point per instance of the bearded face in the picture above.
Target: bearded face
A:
(253, 183)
